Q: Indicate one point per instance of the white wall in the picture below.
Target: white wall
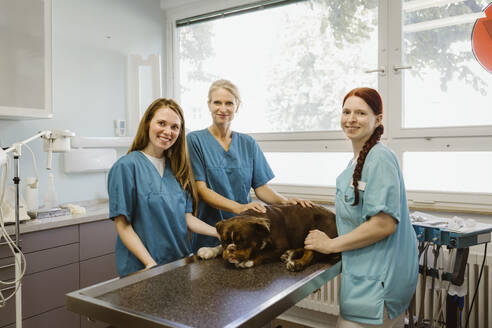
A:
(168, 4)
(91, 40)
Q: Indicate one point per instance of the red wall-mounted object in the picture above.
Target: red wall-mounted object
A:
(482, 39)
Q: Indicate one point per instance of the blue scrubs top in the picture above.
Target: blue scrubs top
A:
(384, 273)
(230, 173)
(154, 205)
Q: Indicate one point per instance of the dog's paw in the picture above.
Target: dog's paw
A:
(207, 253)
(287, 256)
(244, 265)
(294, 265)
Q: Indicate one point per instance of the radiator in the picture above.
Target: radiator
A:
(325, 299)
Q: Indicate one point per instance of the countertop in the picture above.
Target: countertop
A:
(200, 293)
(96, 210)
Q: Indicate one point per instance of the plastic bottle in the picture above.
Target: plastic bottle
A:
(31, 194)
(51, 198)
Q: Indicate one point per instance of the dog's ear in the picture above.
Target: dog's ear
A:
(263, 224)
(219, 226)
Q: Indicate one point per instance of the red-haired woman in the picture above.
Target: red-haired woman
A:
(376, 238)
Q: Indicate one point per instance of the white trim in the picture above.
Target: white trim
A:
(132, 94)
(101, 142)
(443, 22)
(134, 62)
(424, 4)
(383, 55)
(393, 98)
(48, 53)
(197, 7)
(285, 146)
(450, 201)
(457, 131)
(316, 193)
(171, 55)
(420, 196)
(430, 200)
(175, 64)
(442, 144)
(302, 135)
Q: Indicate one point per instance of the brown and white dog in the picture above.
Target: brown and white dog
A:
(253, 238)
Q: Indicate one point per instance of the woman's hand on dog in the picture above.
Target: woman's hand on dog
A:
(258, 207)
(318, 241)
(302, 202)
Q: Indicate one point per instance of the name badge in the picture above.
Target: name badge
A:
(361, 186)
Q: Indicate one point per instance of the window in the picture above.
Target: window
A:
(292, 66)
(450, 171)
(293, 62)
(297, 168)
(446, 85)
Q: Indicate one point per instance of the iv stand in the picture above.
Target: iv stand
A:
(16, 148)
(18, 269)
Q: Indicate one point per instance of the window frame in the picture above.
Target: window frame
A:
(399, 139)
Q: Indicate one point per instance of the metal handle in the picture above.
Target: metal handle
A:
(381, 70)
(397, 68)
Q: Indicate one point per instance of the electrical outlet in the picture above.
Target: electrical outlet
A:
(120, 128)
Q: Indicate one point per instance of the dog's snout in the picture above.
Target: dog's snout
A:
(229, 251)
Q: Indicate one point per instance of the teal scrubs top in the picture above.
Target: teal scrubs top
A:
(384, 273)
(155, 206)
(230, 173)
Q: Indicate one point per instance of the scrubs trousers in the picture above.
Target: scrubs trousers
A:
(398, 322)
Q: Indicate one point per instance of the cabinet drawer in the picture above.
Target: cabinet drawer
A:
(42, 260)
(60, 317)
(7, 269)
(39, 240)
(42, 292)
(4, 249)
(52, 258)
(97, 270)
(97, 238)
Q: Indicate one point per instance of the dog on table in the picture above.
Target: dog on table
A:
(252, 238)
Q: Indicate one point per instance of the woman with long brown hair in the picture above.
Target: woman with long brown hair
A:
(152, 193)
(375, 236)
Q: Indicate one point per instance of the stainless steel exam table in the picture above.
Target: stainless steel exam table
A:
(200, 293)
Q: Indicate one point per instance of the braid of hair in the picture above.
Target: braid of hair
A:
(375, 137)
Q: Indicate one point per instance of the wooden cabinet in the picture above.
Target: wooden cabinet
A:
(97, 239)
(97, 259)
(59, 261)
(59, 317)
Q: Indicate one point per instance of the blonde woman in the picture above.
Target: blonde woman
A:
(152, 193)
(228, 164)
